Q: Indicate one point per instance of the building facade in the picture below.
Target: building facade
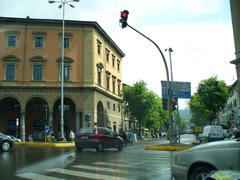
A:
(30, 78)
(229, 116)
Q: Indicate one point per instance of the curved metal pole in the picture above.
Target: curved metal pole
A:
(167, 74)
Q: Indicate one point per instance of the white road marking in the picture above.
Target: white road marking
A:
(86, 174)
(97, 168)
(112, 164)
(35, 176)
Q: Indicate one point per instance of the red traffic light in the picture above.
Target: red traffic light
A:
(124, 14)
(124, 17)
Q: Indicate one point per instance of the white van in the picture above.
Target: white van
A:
(211, 133)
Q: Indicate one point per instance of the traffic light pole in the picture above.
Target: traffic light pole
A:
(170, 129)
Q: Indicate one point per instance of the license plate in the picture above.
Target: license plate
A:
(84, 137)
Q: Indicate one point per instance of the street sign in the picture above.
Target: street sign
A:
(177, 89)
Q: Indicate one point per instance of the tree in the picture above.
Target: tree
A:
(211, 96)
(143, 105)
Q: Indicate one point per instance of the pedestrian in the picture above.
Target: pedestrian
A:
(72, 135)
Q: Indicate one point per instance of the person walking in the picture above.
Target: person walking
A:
(72, 135)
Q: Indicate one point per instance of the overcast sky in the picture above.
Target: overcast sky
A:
(198, 31)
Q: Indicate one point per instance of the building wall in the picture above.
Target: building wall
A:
(83, 88)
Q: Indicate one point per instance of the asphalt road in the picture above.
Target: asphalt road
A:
(65, 163)
(48, 163)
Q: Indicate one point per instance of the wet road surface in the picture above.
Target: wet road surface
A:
(65, 163)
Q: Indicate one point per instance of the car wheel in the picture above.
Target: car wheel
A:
(99, 147)
(200, 173)
(5, 146)
(120, 146)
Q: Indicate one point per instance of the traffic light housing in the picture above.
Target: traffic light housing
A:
(164, 104)
(174, 103)
(124, 17)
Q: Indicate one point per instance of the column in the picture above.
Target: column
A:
(78, 123)
(22, 125)
(50, 122)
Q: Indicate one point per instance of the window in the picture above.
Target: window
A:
(66, 42)
(10, 72)
(108, 79)
(114, 107)
(12, 41)
(108, 105)
(38, 41)
(113, 83)
(99, 72)
(107, 55)
(10, 64)
(99, 77)
(119, 87)
(66, 73)
(37, 72)
(39, 37)
(119, 108)
(113, 60)
(108, 82)
(118, 65)
(99, 47)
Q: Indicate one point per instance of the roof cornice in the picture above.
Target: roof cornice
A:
(68, 23)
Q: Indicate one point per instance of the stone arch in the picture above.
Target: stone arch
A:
(100, 114)
(36, 115)
(10, 112)
(69, 116)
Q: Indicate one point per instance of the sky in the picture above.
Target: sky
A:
(199, 32)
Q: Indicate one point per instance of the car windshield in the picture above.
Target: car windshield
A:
(86, 131)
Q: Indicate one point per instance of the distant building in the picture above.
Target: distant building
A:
(30, 62)
(235, 90)
(229, 116)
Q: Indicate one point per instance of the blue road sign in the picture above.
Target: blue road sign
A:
(177, 89)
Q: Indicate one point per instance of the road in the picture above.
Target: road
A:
(65, 163)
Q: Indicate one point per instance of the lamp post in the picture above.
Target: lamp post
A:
(170, 50)
(62, 5)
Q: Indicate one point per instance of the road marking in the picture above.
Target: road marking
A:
(112, 164)
(86, 175)
(35, 176)
(97, 168)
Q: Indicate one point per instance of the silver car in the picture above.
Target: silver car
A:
(196, 163)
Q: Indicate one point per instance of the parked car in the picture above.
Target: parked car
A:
(199, 161)
(211, 133)
(6, 143)
(14, 138)
(98, 138)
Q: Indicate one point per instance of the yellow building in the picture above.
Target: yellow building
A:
(30, 78)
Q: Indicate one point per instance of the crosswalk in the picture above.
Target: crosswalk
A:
(96, 170)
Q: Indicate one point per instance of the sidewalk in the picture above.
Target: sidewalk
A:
(45, 144)
(164, 145)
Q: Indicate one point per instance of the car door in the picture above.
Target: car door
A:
(111, 139)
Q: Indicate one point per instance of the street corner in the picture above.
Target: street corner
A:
(45, 144)
(168, 147)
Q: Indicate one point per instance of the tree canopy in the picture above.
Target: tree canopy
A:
(210, 97)
(144, 105)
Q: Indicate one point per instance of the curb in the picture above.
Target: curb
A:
(168, 147)
(45, 144)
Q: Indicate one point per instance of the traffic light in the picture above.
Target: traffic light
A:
(173, 103)
(124, 17)
(164, 104)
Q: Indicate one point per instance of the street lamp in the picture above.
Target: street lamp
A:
(62, 5)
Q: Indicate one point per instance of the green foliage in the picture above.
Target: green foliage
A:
(210, 97)
(144, 105)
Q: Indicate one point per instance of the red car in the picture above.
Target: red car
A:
(98, 138)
